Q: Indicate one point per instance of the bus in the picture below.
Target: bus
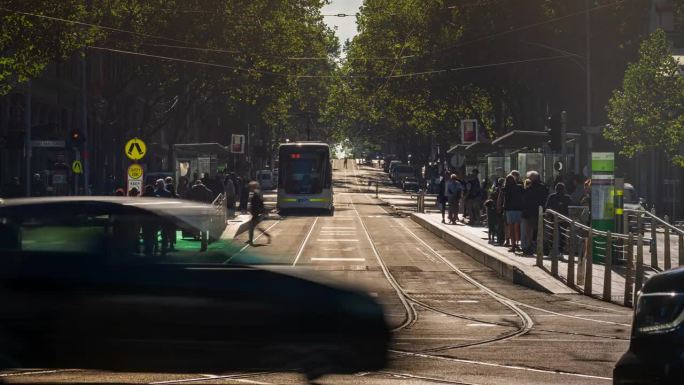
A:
(305, 176)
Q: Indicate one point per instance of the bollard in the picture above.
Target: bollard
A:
(589, 263)
(540, 238)
(654, 241)
(555, 247)
(376, 189)
(681, 249)
(571, 255)
(639, 268)
(668, 261)
(629, 272)
(608, 271)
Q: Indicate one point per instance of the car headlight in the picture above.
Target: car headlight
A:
(658, 313)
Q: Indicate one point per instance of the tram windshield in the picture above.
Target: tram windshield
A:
(303, 171)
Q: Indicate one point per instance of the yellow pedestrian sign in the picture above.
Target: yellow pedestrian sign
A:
(135, 171)
(77, 167)
(135, 149)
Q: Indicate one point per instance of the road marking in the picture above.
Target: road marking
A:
(338, 248)
(339, 259)
(493, 364)
(306, 239)
(482, 325)
(205, 377)
(338, 227)
(336, 240)
(247, 245)
(466, 301)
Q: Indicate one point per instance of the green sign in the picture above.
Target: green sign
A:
(602, 196)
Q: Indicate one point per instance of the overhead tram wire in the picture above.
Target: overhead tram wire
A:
(517, 29)
(186, 44)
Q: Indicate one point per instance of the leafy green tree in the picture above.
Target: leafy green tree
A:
(646, 114)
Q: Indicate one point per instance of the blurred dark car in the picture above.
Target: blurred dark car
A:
(77, 292)
(656, 348)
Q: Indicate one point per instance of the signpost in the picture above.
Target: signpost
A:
(135, 177)
(135, 149)
(237, 144)
(602, 194)
(469, 131)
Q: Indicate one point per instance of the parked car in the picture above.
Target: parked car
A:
(655, 348)
(402, 171)
(77, 293)
(392, 165)
(410, 184)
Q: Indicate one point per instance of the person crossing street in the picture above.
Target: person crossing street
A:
(257, 210)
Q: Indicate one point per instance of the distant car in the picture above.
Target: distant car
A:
(656, 351)
(265, 179)
(77, 293)
(410, 184)
(392, 165)
(401, 171)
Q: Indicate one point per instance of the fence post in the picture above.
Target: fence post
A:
(540, 237)
(681, 249)
(639, 268)
(376, 189)
(668, 260)
(589, 262)
(629, 272)
(654, 240)
(571, 255)
(555, 248)
(608, 271)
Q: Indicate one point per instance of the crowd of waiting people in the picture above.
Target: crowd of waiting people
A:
(511, 204)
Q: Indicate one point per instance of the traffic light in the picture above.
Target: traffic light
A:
(554, 125)
(77, 138)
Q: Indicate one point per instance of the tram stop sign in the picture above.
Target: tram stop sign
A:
(135, 149)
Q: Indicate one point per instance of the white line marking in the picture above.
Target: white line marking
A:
(336, 240)
(247, 245)
(482, 325)
(467, 301)
(301, 248)
(339, 259)
(515, 367)
(338, 227)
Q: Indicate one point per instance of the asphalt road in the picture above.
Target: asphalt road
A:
(455, 321)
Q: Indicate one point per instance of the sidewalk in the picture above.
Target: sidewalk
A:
(235, 226)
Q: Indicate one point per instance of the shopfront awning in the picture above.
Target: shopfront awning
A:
(201, 149)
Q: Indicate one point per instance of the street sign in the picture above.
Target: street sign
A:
(237, 144)
(77, 167)
(135, 177)
(135, 149)
(469, 130)
(135, 171)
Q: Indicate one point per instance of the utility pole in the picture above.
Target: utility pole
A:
(84, 125)
(28, 150)
(587, 27)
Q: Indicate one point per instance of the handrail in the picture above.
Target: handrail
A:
(653, 217)
(587, 228)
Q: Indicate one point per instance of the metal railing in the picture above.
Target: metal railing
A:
(619, 255)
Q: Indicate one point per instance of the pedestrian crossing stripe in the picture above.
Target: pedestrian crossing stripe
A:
(77, 167)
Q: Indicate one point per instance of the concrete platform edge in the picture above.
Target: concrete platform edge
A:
(503, 268)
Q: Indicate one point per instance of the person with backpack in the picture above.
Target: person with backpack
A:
(473, 198)
(454, 192)
(257, 210)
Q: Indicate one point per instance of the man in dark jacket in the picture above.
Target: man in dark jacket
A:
(533, 198)
(257, 209)
(442, 193)
(199, 192)
(559, 201)
(473, 199)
